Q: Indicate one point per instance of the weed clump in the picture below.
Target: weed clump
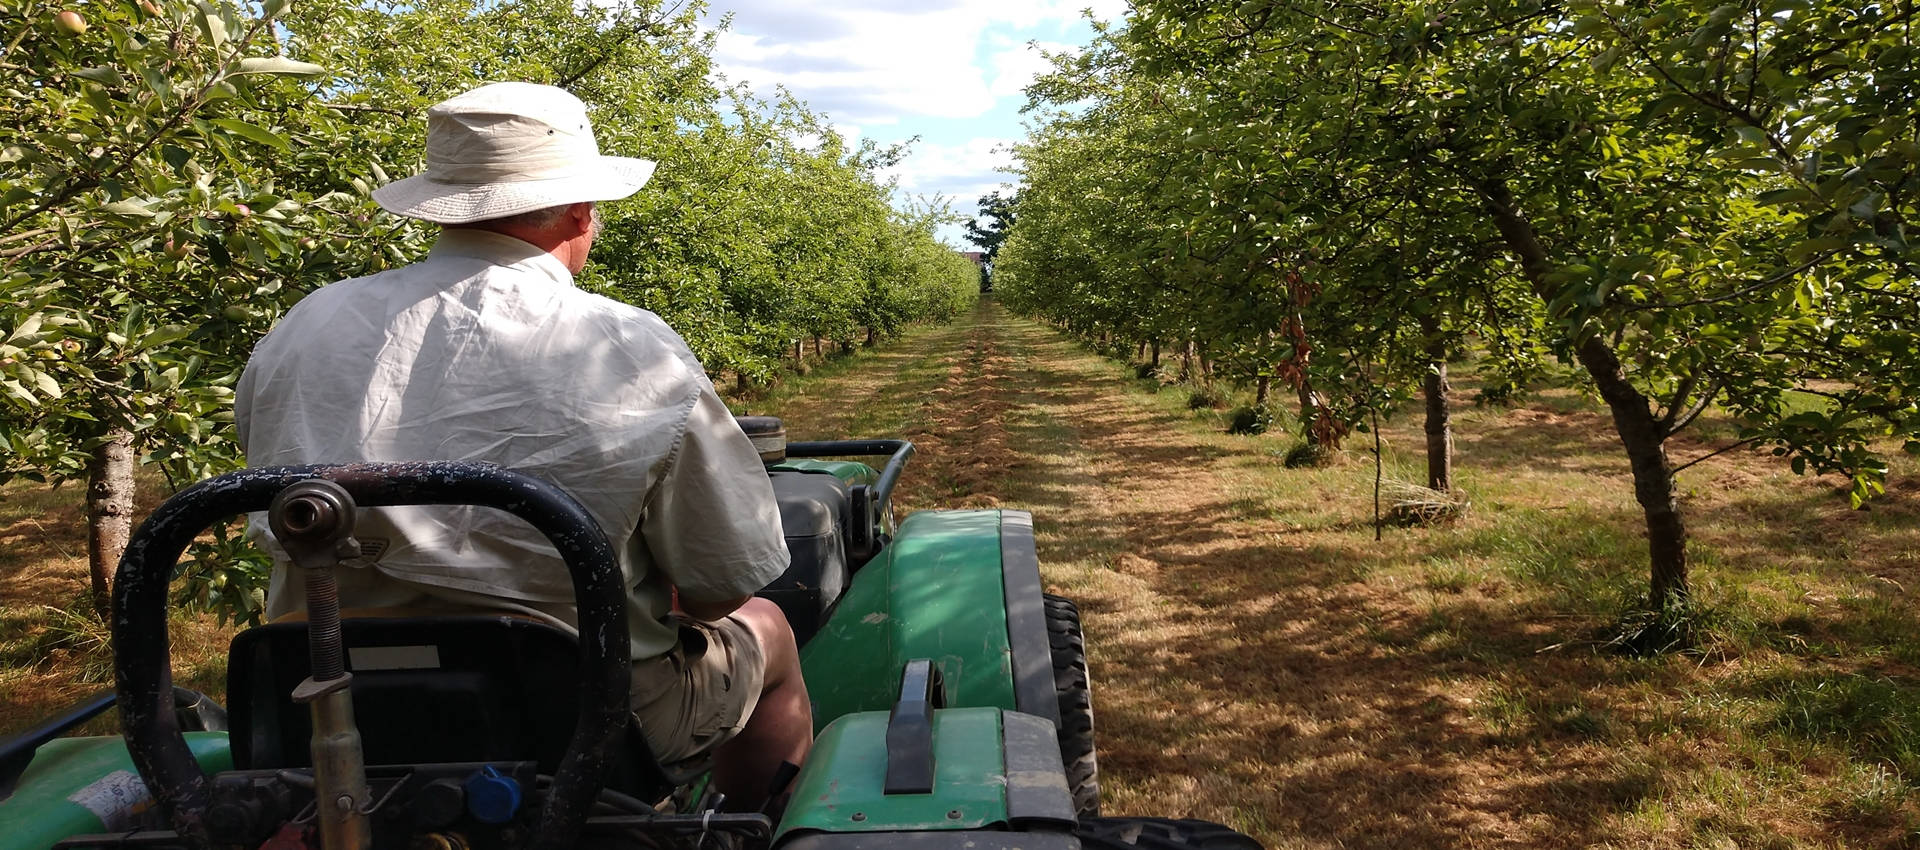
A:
(1251, 420)
(1645, 632)
(1146, 371)
(1307, 454)
(1206, 398)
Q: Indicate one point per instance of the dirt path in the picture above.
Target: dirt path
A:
(1234, 677)
(1221, 692)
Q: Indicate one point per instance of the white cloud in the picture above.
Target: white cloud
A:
(868, 61)
(969, 169)
(1017, 66)
(888, 69)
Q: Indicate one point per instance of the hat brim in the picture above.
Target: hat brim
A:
(608, 178)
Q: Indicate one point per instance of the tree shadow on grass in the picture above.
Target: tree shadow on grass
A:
(1306, 686)
(1578, 443)
(1362, 742)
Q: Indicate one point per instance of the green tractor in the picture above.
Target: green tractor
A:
(951, 694)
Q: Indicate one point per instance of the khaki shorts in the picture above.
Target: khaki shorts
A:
(700, 694)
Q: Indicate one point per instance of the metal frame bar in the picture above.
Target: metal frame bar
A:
(896, 451)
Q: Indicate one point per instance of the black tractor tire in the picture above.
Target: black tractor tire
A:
(1160, 834)
(1074, 689)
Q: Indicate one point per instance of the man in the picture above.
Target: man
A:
(486, 351)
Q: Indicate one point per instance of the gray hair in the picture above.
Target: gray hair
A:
(539, 219)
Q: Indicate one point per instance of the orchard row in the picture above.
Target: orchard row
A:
(1693, 203)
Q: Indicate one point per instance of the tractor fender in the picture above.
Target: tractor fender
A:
(995, 773)
(88, 785)
(961, 588)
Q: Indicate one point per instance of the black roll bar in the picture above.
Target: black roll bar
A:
(896, 451)
(140, 649)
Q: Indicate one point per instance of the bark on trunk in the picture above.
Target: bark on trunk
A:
(1261, 389)
(872, 338)
(1439, 409)
(109, 513)
(1643, 435)
(1156, 354)
(1186, 361)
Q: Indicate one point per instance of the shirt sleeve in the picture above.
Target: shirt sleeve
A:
(712, 526)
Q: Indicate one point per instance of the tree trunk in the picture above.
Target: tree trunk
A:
(109, 513)
(1156, 353)
(1309, 409)
(1260, 390)
(1439, 409)
(1186, 361)
(1643, 435)
(872, 338)
(799, 350)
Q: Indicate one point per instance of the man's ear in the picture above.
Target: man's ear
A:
(580, 215)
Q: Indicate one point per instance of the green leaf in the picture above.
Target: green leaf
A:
(104, 75)
(19, 391)
(158, 83)
(273, 8)
(1751, 135)
(279, 65)
(212, 25)
(253, 132)
(1783, 196)
(163, 335)
(45, 384)
(131, 209)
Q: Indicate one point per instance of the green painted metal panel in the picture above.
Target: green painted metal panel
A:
(936, 592)
(850, 471)
(842, 787)
(84, 785)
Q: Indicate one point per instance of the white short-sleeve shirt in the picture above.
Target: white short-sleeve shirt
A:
(486, 351)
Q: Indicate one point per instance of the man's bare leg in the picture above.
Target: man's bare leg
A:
(781, 726)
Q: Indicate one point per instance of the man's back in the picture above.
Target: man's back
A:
(486, 351)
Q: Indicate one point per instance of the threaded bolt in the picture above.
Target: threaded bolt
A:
(323, 626)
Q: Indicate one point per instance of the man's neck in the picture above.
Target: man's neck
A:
(569, 250)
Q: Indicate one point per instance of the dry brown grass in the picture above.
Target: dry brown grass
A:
(53, 649)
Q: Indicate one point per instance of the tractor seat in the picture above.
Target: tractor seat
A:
(431, 690)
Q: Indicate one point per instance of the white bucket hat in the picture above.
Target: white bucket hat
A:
(509, 148)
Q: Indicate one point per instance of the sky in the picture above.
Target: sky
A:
(950, 72)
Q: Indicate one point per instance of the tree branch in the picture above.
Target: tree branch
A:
(1715, 453)
(1738, 293)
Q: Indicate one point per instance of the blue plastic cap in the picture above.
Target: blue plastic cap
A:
(492, 798)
